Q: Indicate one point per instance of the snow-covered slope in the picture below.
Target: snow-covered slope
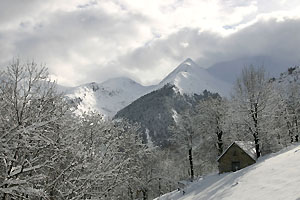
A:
(273, 177)
(107, 97)
(190, 78)
(292, 75)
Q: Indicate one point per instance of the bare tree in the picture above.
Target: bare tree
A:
(211, 115)
(31, 124)
(254, 103)
(108, 154)
(187, 135)
(290, 108)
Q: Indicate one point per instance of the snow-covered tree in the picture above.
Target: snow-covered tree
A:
(32, 130)
(254, 103)
(289, 92)
(104, 156)
(185, 135)
(48, 152)
(211, 115)
(188, 135)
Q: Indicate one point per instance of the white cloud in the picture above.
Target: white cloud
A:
(92, 40)
(184, 44)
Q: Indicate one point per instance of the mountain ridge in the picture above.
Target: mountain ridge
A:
(114, 94)
(107, 97)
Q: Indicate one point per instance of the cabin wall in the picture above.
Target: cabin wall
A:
(238, 156)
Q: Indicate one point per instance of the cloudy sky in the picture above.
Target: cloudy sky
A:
(82, 41)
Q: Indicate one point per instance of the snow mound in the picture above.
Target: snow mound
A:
(273, 177)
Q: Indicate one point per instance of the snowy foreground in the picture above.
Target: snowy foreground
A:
(276, 176)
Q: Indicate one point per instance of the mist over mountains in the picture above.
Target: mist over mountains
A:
(228, 71)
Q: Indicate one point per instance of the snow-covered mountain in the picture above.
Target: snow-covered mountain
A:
(190, 78)
(107, 97)
(114, 94)
(292, 75)
(273, 177)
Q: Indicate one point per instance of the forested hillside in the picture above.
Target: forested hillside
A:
(158, 111)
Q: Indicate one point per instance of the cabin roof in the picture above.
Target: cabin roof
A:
(247, 146)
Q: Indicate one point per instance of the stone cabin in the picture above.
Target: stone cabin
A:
(238, 155)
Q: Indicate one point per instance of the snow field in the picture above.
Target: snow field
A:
(273, 177)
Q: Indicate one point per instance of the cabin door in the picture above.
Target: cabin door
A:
(235, 166)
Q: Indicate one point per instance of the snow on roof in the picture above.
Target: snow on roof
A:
(246, 146)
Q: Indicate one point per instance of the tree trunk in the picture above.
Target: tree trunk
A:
(297, 133)
(159, 187)
(257, 149)
(130, 192)
(145, 194)
(220, 142)
(255, 134)
(291, 136)
(191, 164)
(290, 133)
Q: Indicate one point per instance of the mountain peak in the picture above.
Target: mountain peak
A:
(185, 65)
(190, 78)
(188, 61)
(182, 67)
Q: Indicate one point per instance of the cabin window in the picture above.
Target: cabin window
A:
(235, 166)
